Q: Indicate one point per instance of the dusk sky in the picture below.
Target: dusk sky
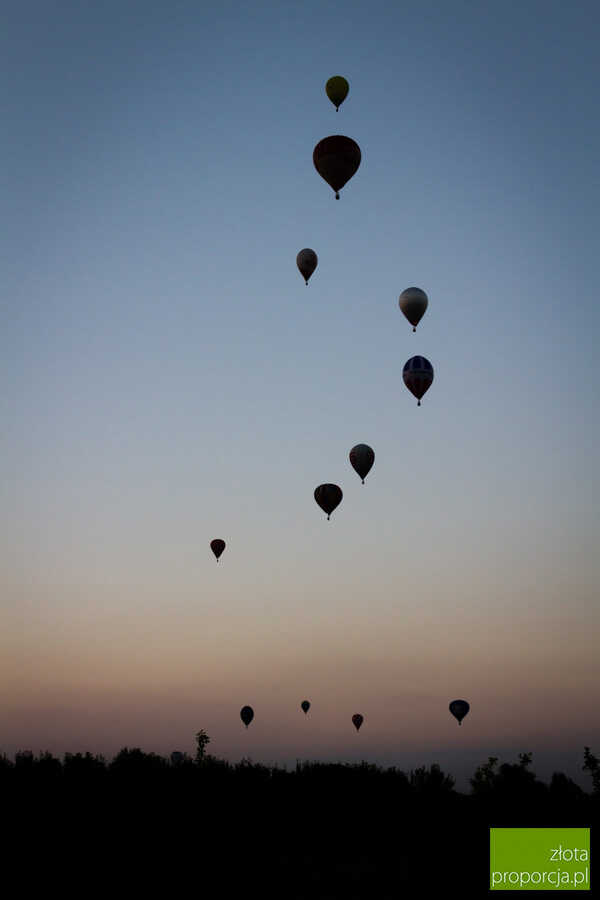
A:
(168, 378)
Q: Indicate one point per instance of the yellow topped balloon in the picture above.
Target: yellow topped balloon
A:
(337, 90)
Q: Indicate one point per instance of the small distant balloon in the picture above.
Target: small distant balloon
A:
(246, 714)
(305, 705)
(357, 720)
(418, 376)
(459, 709)
(328, 496)
(337, 90)
(307, 261)
(217, 546)
(413, 303)
(336, 159)
(362, 458)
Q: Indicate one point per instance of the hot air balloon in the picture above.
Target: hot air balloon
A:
(337, 90)
(177, 757)
(418, 376)
(362, 458)
(328, 496)
(357, 720)
(307, 262)
(305, 706)
(336, 159)
(217, 546)
(459, 709)
(413, 303)
(247, 714)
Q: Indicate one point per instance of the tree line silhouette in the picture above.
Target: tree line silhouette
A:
(316, 830)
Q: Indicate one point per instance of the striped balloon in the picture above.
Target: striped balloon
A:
(418, 376)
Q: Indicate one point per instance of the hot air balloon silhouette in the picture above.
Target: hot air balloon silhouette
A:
(307, 262)
(217, 546)
(418, 376)
(357, 720)
(336, 159)
(413, 303)
(328, 496)
(305, 706)
(337, 90)
(459, 709)
(362, 458)
(246, 714)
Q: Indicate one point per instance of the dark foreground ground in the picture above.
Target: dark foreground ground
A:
(144, 826)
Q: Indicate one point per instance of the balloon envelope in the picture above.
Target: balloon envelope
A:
(328, 496)
(362, 458)
(337, 90)
(459, 709)
(418, 376)
(413, 303)
(305, 705)
(357, 719)
(336, 159)
(307, 262)
(246, 714)
(217, 546)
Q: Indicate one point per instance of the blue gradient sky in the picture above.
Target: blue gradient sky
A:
(168, 378)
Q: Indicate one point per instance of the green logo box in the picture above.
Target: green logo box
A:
(540, 859)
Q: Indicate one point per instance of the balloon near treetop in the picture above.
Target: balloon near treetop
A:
(418, 376)
(362, 458)
(336, 159)
(217, 546)
(307, 261)
(328, 496)
(413, 303)
(337, 90)
(459, 709)
(246, 715)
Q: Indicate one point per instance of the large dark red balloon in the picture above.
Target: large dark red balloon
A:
(217, 546)
(328, 496)
(357, 720)
(247, 714)
(336, 159)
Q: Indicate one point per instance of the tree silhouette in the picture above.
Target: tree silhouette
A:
(591, 764)
(431, 780)
(320, 830)
(202, 739)
(482, 781)
(564, 789)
